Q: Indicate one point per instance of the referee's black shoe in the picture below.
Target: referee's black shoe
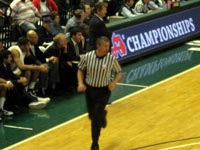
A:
(95, 147)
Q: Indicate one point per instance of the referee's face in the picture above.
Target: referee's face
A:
(103, 48)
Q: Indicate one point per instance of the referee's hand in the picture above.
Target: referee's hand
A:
(81, 88)
(111, 86)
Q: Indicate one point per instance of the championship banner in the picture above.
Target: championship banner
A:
(144, 37)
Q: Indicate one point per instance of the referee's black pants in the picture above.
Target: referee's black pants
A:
(96, 99)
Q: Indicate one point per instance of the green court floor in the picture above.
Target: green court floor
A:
(136, 75)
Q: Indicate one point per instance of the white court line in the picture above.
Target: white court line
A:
(16, 127)
(123, 98)
(185, 145)
(49, 130)
(135, 85)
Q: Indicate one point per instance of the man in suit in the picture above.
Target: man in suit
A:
(57, 51)
(97, 26)
(74, 45)
(37, 57)
(32, 36)
(75, 50)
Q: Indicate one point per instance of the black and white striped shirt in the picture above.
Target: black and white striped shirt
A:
(99, 69)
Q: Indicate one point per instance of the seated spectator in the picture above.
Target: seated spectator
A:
(74, 51)
(44, 31)
(156, 4)
(30, 71)
(46, 7)
(126, 9)
(76, 20)
(32, 37)
(56, 55)
(74, 46)
(87, 11)
(85, 38)
(55, 25)
(142, 6)
(15, 92)
(37, 57)
(24, 14)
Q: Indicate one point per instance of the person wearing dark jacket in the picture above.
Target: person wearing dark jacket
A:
(15, 87)
(32, 36)
(56, 58)
(97, 26)
(74, 52)
(44, 31)
(74, 45)
(37, 57)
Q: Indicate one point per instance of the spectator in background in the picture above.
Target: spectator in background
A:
(126, 9)
(97, 27)
(44, 31)
(32, 36)
(85, 38)
(55, 25)
(142, 6)
(156, 4)
(76, 20)
(45, 7)
(74, 46)
(24, 14)
(31, 71)
(88, 10)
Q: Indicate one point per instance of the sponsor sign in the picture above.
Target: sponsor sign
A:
(140, 38)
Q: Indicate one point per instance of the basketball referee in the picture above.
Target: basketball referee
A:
(98, 84)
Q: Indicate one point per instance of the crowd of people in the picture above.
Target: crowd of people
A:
(47, 55)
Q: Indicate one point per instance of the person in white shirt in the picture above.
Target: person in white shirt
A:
(126, 9)
(142, 6)
(157, 4)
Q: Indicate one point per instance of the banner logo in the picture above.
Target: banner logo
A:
(118, 48)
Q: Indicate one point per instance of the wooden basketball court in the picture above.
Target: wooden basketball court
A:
(165, 116)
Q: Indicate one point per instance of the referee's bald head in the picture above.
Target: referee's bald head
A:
(102, 39)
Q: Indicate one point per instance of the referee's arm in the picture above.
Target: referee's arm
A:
(81, 85)
(113, 83)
